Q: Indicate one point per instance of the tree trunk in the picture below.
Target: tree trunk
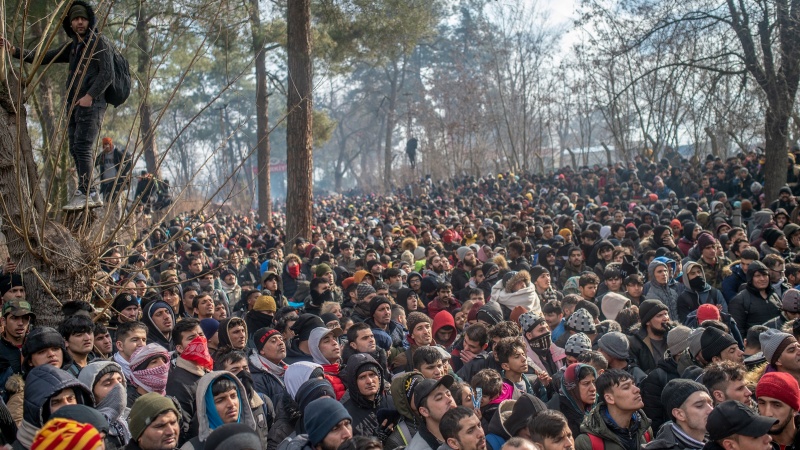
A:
(390, 123)
(44, 251)
(262, 116)
(146, 130)
(299, 140)
(775, 148)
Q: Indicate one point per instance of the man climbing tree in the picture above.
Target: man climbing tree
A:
(91, 71)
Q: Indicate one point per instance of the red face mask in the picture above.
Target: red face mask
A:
(197, 352)
(294, 271)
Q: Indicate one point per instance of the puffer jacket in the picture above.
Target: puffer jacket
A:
(201, 416)
(749, 308)
(732, 282)
(287, 421)
(264, 381)
(42, 383)
(611, 435)
(651, 388)
(641, 350)
(666, 440)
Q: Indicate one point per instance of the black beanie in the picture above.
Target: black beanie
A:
(771, 235)
(123, 301)
(376, 302)
(714, 341)
(526, 408)
(677, 391)
(8, 281)
(41, 338)
(536, 272)
(649, 309)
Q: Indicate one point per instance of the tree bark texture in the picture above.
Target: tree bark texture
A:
(55, 267)
(146, 130)
(299, 141)
(262, 116)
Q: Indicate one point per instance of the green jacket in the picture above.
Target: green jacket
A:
(595, 424)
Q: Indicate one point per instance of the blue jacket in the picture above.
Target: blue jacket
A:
(731, 283)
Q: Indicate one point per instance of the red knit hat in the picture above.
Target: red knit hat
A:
(707, 312)
(780, 386)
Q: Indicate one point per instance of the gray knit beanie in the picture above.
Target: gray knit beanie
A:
(773, 343)
(615, 344)
(678, 340)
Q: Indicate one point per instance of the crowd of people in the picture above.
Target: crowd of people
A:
(642, 305)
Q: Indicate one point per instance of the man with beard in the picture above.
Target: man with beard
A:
(781, 351)
(779, 398)
(461, 430)
(435, 269)
(574, 266)
(649, 344)
(463, 271)
(91, 72)
(266, 363)
(653, 384)
(688, 404)
(380, 309)
(711, 262)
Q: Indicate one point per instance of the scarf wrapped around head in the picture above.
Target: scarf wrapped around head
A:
(214, 420)
(197, 352)
(153, 379)
(569, 386)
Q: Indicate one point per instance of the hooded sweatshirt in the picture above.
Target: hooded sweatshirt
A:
(666, 294)
(331, 369)
(204, 422)
(361, 409)
(96, 62)
(691, 299)
(444, 319)
(113, 406)
(154, 335)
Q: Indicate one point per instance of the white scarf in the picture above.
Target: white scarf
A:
(126, 366)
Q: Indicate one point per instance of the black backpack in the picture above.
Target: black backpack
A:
(120, 88)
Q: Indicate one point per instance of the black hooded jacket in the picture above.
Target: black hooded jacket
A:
(154, 335)
(44, 382)
(362, 410)
(99, 71)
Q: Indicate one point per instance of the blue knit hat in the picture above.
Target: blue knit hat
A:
(321, 416)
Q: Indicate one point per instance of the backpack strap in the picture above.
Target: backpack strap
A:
(647, 437)
(405, 433)
(597, 442)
